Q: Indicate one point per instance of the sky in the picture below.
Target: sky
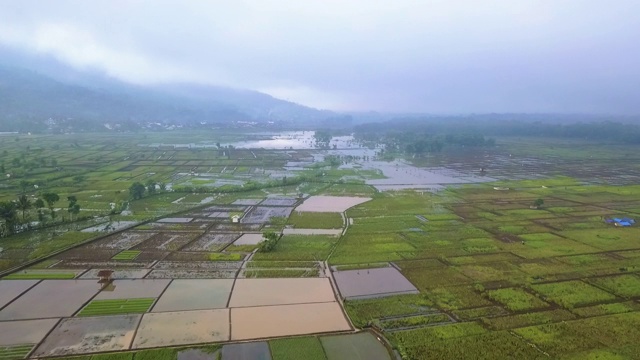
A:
(433, 56)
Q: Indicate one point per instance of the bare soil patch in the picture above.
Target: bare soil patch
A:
(257, 292)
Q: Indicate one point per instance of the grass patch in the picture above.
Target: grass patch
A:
(117, 306)
(624, 285)
(39, 275)
(413, 321)
(308, 348)
(572, 293)
(15, 351)
(281, 273)
(364, 312)
(522, 320)
(226, 257)
(516, 299)
(126, 255)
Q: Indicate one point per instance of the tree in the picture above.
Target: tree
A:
(151, 186)
(270, 239)
(24, 204)
(136, 190)
(73, 208)
(51, 199)
(8, 214)
(163, 186)
(24, 184)
(538, 203)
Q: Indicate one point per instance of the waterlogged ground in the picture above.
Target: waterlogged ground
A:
(451, 268)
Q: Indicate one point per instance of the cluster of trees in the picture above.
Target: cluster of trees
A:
(269, 241)
(12, 222)
(137, 190)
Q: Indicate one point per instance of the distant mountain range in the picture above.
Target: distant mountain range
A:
(71, 100)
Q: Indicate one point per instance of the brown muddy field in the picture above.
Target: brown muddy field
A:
(258, 292)
(118, 273)
(284, 320)
(51, 298)
(90, 334)
(181, 328)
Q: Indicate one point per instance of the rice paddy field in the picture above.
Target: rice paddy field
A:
(367, 264)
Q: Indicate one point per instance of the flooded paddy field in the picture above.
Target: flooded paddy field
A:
(330, 203)
(257, 292)
(91, 334)
(192, 294)
(25, 331)
(374, 282)
(182, 328)
(63, 298)
(465, 264)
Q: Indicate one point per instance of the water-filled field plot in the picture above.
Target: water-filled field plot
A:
(25, 331)
(11, 289)
(194, 294)
(178, 220)
(51, 298)
(257, 292)
(88, 335)
(279, 202)
(180, 328)
(248, 239)
(118, 274)
(247, 202)
(120, 241)
(131, 289)
(361, 346)
(167, 241)
(262, 214)
(284, 320)
(252, 350)
(364, 283)
(212, 242)
(330, 203)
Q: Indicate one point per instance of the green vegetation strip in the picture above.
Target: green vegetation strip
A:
(308, 348)
(117, 306)
(15, 351)
(414, 321)
(127, 255)
(226, 257)
(36, 276)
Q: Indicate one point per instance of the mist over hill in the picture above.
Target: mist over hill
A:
(50, 96)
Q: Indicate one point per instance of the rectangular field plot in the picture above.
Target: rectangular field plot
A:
(116, 307)
(51, 298)
(252, 350)
(118, 274)
(131, 289)
(248, 239)
(15, 352)
(330, 203)
(90, 334)
(59, 274)
(516, 299)
(25, 332)
(285, 320)
(573, 293)
(316, 220)
(167, 241)
(257, 292)
(121, 241)
(372, 282)
(627, 285)
(126, 255)
(262, 214)
(331, 232)
(211, 242)
(308, 348)
(11, 289)
(354, 346)
(247, 202)
(181, 328)
(175, 220)
(279, 202)
(195, 294)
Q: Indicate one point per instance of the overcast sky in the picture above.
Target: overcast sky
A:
(449, 56)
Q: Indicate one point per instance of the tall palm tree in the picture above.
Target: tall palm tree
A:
(8, 214)
(24, 204)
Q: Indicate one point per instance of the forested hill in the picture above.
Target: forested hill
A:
(30, 101)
